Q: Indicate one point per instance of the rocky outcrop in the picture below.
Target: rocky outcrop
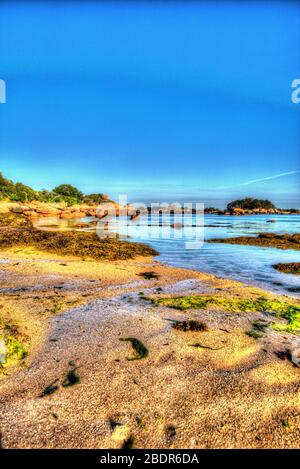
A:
(35, 210)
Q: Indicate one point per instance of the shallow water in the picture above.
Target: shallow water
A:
(250, 264)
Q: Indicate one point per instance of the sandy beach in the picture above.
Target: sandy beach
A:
(149, 230)
(232, 392)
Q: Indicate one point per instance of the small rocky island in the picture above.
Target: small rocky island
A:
(251, 206)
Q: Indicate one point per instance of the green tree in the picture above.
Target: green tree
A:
(22, 193)
(67, 190)
(95, 198)
(5, 182)
(251, 204)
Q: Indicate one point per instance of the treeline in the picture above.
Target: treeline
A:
(18, 192)
(251, 204)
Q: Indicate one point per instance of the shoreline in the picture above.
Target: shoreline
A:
(37, 209)
(83, 308)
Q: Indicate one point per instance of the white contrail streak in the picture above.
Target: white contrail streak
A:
(253, 181)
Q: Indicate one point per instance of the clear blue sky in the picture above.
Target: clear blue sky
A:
(173, 101)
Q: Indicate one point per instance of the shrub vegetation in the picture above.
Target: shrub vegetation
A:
(18, 192)
(251, 204)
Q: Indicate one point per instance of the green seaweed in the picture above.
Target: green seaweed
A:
(191, 325)
(71, 378)
(254, 334)
(50, 389)
(15, 349)
(170, 432)
(149, 275)
(139, 348)
(140, 421)
(17, 230)
(128, 443)
(286, 423)
(197, 345)
(279, 308)
(258, 329)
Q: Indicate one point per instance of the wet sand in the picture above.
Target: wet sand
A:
(234, 394)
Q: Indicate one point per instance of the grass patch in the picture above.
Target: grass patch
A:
(191, 325)
(139, 348)
(278, 308)
(17, 230)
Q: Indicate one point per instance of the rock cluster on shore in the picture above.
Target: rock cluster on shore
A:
(39, 209)
(257, 211)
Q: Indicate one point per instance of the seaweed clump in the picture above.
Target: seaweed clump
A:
(50, 389)
(258, 329)
(278, 308)
(71, 378)
(279, 241)
(13, 345)
(288, 268)
(17, 230)
(139, 348)
(149, 275)
(128, 443)
(192, 325)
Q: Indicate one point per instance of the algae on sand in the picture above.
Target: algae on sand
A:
(277, 307)
(13, 349)
(128, 443)
(258, 329)
(17, 230)
(149, 275)
(190, 325)
(71, 378)
(139, 348)
(50, 389)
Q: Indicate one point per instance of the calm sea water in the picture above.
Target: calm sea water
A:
(249, 264)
